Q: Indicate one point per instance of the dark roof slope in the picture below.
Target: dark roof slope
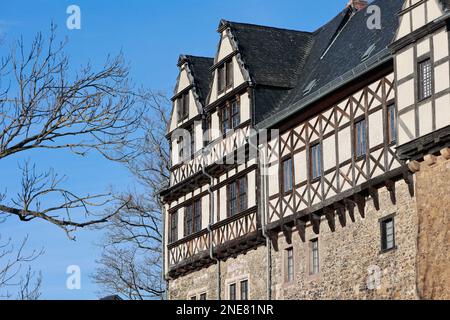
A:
(201, 71)
(347, 38)
(445, 4)
(273, 56)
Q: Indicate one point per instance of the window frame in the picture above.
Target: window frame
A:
(360, 122)
(314, 257)
(315, 176)
(182, 103)
(391, 122)
(240, 197)
(190, 215)
(423, 88)
(230, 117)
(225, 75)
(290, 275)
(232, 297)
(244, 293)
(383, 233)
(285, 174)
(173, 234)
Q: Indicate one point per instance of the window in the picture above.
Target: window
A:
(237, 196)
(208, 126)
(425, 79)
(316, 161)
(173, 235)
(360, 138)
(230, 116)
(225, 76)
(203, 296)
(232, 292)
(193, 218)
(387, 234)
(183, 106)
(392, 124)
(290, 265)
(192, 138)
(244, 290)
(314, 257)
(193, 298)
(180, 144)
(288, 175)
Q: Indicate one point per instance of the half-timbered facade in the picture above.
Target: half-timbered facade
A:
(301, 160)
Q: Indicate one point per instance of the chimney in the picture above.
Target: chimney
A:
(357, 4)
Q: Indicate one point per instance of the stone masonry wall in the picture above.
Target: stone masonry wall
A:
(250, 266)
(433, 206)
(351, 264)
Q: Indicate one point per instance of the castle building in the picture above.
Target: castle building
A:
(314, 165)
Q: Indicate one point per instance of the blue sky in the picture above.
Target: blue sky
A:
(151, 34)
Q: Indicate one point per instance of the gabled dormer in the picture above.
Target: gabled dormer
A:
(228, 70)
(188, 102)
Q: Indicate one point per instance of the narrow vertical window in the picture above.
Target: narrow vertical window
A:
(188, 223)
(232, 199)
(287, 175)
(203, 296)
(221, 78)
(387, 234)
(198, 216)
(242, 194)
(235, 114)
(314, 256)
(229, 76)
(183, 107)
(244, 290)
(392, 124)
(180, 144)
(360, 138)
(225, 120)
(232, 291)
(290, 265)
(173, 227)
(425, 79)
(192, 138)
(316, 161)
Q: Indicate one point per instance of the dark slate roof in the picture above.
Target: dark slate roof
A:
(273, 56)
(445, 4)
(348, 38)
(201, 71)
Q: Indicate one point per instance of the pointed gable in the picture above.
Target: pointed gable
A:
(192, 87)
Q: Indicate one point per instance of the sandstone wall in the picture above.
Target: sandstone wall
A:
(433, 206)
(351, 263)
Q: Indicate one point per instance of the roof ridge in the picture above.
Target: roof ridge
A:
(263, 26)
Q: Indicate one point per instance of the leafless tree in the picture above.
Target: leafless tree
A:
(45, 104)
(12, 262)
(131, 263)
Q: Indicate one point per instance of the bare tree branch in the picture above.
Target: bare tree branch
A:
(46, 105)
(131, 263)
